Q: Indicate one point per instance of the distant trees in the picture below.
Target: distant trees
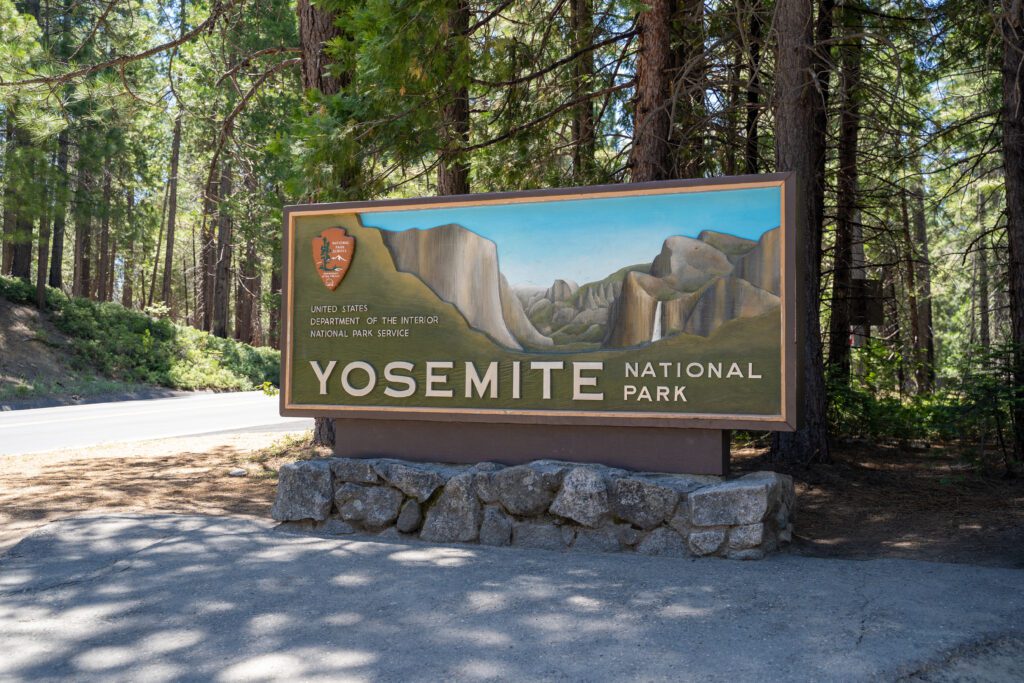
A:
(147, 151)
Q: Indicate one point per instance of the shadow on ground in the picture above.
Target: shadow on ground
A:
(159, 597)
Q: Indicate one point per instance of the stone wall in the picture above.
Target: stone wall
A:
(544, 504)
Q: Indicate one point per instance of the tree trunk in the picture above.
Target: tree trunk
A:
(44, 253)
(984, 323)
(172, 193)
(222, 281)
(453, 166)
(753, 89)
(686, 95)
(10, 216)
(846, 202)
(926, 342)
(910, 287)
(60, 212)
(128, 288)
(317, 27)
(246, 293)
(172, 214)
(651, 156)
(274, 331)
(208, 254)
(83, 229)
(105, 265)
(581, 18)
(796, 149)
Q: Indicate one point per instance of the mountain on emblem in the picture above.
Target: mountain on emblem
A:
(332, 255)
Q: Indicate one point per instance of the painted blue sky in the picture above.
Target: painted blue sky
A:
(587, 239)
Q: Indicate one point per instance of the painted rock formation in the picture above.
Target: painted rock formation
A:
(461, 267)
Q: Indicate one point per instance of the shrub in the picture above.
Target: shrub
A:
(132, 346)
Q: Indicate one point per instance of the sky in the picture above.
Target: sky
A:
(585, 240)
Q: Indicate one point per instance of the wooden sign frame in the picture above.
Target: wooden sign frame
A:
(785, 421)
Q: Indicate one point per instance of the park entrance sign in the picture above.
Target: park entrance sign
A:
(626, 324)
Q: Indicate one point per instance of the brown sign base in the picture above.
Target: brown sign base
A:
(650, 449)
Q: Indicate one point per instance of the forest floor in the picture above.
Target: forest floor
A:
(904, 502)
(868, 503)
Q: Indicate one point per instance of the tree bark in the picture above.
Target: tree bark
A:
(10, 216)
(926, 341)
(172, 214)
(453, 166)
(796, 150)
(753, 90)
(316, 27)
(846, 202)
(82, 280)
(222, 280)
(103, 271)
(686, 95)
(581, 18)
(128, 289)
(172, 197)
(246, 293)
(44, 253)
(60, 212)
(208, 254)
(650, 158)
(910, 287)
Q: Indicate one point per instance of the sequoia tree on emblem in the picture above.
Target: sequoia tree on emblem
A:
(332, 255)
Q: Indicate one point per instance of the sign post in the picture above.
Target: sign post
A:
(632, 325)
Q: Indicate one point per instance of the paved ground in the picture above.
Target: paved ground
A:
(47, 429)
(213, 598)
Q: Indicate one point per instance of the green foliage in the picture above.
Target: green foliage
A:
(134, 347)
(971, 408)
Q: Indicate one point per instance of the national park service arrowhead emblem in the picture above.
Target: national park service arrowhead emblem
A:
(332, 255)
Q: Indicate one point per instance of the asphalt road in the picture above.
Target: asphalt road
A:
(47, 429)
(159, 598)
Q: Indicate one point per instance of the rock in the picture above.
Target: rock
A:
(680, 520)
(409, 517)
(746, 536)
(461, 268)
(706, 542)
(336, 527)
(303, 491)
(760, 266)
(685, 264)
(355, 471)
(627, 535)
(583, 498)
(523, 490)
(744, 501)
(515, 318)
(562, 290)
(418, 482)
(455, 517)
(496, 528)
(373, 506)
(485, 488)
(732, 246)
(604, 540)
(749, 554)
(726, 299)
(786, 535)
(632, 316)
(542, 535)
(237, 472)
(642, 503)
(662, 541)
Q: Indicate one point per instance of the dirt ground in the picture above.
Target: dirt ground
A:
(868, 503)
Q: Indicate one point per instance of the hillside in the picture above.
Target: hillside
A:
(76, 349)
